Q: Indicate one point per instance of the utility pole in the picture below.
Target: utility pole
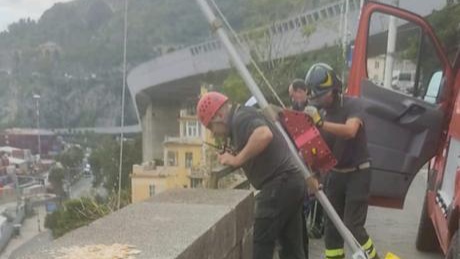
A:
(345, 39)
(361, 4)
(391, 48)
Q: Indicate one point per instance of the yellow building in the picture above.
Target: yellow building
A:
(184, 161)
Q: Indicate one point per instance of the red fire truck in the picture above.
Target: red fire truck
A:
(410, 131)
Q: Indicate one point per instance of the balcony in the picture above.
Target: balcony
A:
(186, 113)
(183, 140)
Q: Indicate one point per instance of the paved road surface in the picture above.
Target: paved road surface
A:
(393, 230)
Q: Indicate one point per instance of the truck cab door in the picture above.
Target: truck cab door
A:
(405, 122)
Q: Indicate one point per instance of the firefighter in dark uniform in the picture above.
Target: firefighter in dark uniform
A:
(263, 154)
(341, 124)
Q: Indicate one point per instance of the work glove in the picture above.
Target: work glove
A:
(313, 185)
(314, 114)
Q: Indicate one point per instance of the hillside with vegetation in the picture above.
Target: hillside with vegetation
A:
(72, 55)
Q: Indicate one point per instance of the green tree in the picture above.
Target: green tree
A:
(446, 25)
(105, 159)
(77, 213)
(71, 158)
(280, 72)
(263, 12)
(56, 178)
(235, 88)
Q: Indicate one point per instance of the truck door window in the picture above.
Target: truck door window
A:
(399, 56)
(434, 86)
(430, 73)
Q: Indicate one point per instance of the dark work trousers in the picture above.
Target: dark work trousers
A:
(316, 226)
(348, 194)
(278, 216)
(305, 235)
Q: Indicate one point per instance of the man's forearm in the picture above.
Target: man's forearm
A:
(257, 142)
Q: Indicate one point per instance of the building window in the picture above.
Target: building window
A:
(192, 129)
(188, 159)
(196, 182)
(184, 129)
(151, 190)
(377, 64)
(172, 158)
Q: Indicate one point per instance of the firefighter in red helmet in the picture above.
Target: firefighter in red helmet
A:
(264, 156)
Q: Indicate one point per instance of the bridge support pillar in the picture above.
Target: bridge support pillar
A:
(158, 122)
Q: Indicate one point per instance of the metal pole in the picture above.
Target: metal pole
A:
(361, 4)
(345, 39)
(37, 99)
(391, 47)
(38, 219)
(345, 30)
(125, 40)
(355, 247)
(16, 187)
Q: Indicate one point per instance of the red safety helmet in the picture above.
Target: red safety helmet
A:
(208, 105)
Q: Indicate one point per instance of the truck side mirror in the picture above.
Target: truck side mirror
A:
(434, 86)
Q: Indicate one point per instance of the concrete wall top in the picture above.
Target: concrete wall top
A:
(176, 224)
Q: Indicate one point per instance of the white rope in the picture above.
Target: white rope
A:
(240, 43)
(125, 40)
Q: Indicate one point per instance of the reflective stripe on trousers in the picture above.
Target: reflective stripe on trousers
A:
(340, 253)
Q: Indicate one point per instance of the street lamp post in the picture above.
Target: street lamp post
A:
(38, 219)
(37, 106)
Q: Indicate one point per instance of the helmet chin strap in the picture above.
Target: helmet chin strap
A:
(298, 106)
(337, 101)
(338, 98)
(317, 104)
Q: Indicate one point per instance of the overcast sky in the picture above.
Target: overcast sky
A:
(13, 10)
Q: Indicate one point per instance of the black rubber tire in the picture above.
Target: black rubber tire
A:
(427, 240)
(454, 248)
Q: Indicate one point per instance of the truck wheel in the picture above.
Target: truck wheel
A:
(454, 248)
(427, 240)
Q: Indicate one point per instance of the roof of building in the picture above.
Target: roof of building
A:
(23, 131)
(47, 161)
(160, 171)
(9, 149)
(14, 160)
